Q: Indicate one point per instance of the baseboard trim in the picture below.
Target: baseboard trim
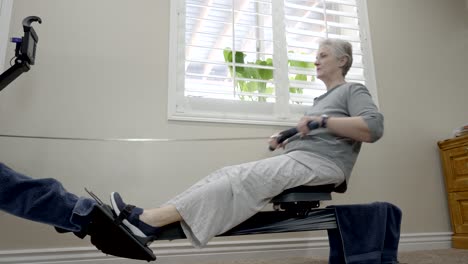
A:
(182, 252)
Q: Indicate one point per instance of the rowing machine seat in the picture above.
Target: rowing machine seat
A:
(304, 198)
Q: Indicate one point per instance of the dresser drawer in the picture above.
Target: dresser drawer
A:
(456, 168)
(458, 203)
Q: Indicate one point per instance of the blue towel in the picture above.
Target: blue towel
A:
(366, 234)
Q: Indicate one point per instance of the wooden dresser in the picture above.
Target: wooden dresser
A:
(454, 154)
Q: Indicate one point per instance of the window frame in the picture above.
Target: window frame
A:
(256, 113)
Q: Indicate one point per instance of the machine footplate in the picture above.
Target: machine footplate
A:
(114, 238)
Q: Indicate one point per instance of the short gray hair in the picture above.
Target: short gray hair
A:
(340, 48)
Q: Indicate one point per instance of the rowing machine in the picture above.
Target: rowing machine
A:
(296, 209)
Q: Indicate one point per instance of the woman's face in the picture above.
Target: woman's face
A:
(326, 63)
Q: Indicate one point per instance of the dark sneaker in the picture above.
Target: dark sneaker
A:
(132, 221)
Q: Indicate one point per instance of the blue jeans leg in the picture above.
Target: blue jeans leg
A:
(43, 200)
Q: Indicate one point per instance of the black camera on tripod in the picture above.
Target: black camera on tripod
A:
(25, 52)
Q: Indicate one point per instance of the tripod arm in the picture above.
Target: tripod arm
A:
(12, 73)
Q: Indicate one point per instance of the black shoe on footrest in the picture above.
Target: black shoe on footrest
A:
(112, 237)
(129, 215)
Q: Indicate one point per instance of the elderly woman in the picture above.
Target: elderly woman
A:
(227, 197)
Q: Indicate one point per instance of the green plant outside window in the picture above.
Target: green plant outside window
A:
(266, 75)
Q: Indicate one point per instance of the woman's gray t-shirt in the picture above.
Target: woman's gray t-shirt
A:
(346, 100)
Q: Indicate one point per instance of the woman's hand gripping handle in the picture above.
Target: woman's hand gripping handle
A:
(279, 139)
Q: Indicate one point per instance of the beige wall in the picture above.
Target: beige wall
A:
(102, 73)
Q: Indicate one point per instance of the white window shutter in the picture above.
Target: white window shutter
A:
(251, 61)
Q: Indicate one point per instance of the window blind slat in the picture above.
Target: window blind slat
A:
(342, 2)
(200, 92)
(303, 7)
(305, 32)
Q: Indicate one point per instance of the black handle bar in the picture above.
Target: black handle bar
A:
(293, 131)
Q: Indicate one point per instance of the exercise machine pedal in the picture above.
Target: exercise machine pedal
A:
(109, 235)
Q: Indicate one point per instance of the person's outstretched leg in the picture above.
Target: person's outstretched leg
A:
(47, 201)
(43, 200)
(229, 196)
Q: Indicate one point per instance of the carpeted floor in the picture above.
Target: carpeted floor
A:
(444, 256)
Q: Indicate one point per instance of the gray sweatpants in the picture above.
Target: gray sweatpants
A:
(231, 195)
